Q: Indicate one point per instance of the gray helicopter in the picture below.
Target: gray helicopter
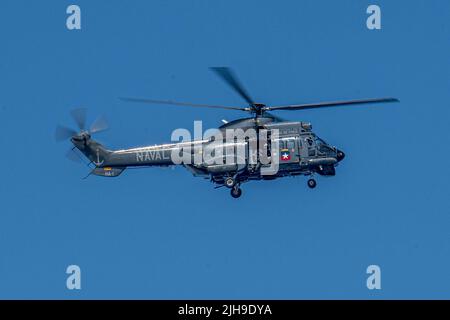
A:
(296, 149)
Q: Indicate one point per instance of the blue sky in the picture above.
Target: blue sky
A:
(160, 233)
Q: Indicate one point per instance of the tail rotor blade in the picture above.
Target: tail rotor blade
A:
(72, 156)
(64, 133)
(79, 115)
(99, 125)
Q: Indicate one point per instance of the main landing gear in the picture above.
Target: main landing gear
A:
(236, 192)
(233, 184)
(230, 182)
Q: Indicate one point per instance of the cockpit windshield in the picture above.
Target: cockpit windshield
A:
(322, 146)
(320, 142)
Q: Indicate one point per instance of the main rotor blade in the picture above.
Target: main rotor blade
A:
(99, 125)
(64, 133)
(174, 103)
(79, 115)
(229, 77)
(331, 104)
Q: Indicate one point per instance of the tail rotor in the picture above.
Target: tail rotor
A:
(79, 116)
(79, 138)
(63, 133)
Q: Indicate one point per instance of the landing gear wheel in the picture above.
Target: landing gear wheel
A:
(312, 183)
(236, 192)
(230, 182)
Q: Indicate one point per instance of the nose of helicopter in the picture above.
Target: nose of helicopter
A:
(340, 155)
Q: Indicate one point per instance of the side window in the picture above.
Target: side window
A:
(305, 140)
(290, 144)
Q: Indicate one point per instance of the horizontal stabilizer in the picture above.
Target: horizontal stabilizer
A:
(108, 171)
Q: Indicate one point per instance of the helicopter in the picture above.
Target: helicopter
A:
(292, 145)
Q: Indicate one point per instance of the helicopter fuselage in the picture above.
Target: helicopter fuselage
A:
(296, 148)
(284, 149)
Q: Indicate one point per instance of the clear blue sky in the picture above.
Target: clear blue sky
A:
(161, 233)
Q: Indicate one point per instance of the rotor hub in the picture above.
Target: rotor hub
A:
(259, 105)
(258, 108)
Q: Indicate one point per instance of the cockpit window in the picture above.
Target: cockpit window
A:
(320, 141)
(322, 146)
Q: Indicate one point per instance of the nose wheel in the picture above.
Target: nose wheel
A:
(236, 192)
(312, 183)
